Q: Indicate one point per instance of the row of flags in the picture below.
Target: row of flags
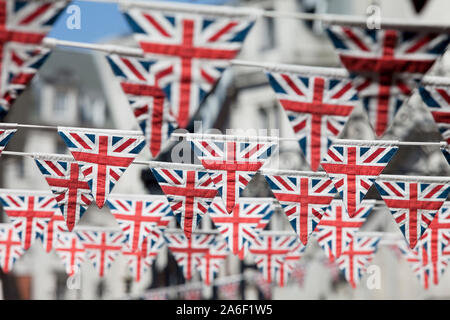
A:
(187, 48)
(143, 220)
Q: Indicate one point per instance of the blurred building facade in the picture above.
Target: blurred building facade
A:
(75, 88)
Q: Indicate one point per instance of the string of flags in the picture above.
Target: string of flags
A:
(182, 55)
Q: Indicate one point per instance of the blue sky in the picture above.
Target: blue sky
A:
(99, 21)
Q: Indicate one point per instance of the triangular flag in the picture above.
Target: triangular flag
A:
(270, 253)
(56, 225)
(337, 228)
(71, 251)
(6, 133)
(209, 265)
(356, 256)
(413, 202)
(189, 251)
(304, 197)
(23, 26)
(10, 246)
(190, 193)
(386, 65)
(353, 167)
(195, 43)
(102, 246)
(290, 263)
(140, 217)
(140, 81)
(233, 161)
(140, 260)
(70, 188)
(249, 217)
(29, 212)
(317, 107)
(437, 99)
(104, 155)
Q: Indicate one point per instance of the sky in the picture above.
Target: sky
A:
(99, 22)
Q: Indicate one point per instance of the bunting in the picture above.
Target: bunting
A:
(195, 47)
(270, 253)
(29, 213)
(55, 226)
(140, 217)
(189, 251)
(353, 167)
(70, 188)
(104, 155)
(304, 196)
(317, 107)
(244, 224)
(356, 256)
(386, 65)
(209, 265)
(141, 81)
(139, 261)
(437, 99)
(290, 264)
(71, 251)
(234, 162)
(10, 246)
(413, 202)
(190, 193)
(102, 247)
(23, 25)
(6, 133)
(337, 228)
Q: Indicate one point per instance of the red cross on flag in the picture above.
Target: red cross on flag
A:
(210, 264)
(104, 155)
(23, 26)
(71, 251)
(386, 65)
(234, 160)
(140, 216)
(353, 165)
(413, 202)
(102, 246)
(337, 228)
(55, 226)
(10, 246)
(195, 42)
(70, 188)
(29, 212)
(189, 190)
(317, 107)
(290, 264)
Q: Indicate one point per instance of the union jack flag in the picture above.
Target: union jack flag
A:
(69, 186)
(190, 193)
(102, 247)
(386, 66)
(5, 136)
(29, 212)
(446, 152)
(412, 202)
(337, 228)
(210, 264)
(196, 47)
(356, 256)
(103, 155)
(71, 251)
(317, 107)
(234, 163)
(23, 26)
(304, 199)
(140, 217)
(140, 260)
(189, 251)
(353, 169)
(10, 246)
(437, 99)
(243, 225)
(141, 81)
(289, 264)
(270, 253)
(56, 225)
